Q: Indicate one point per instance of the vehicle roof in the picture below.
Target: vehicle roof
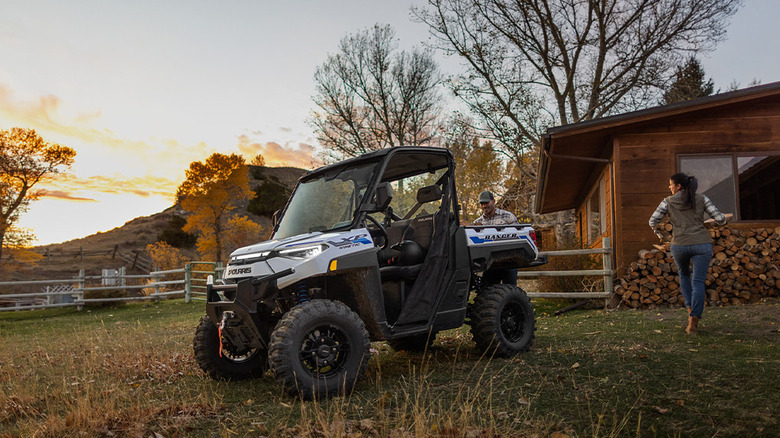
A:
(378, 156)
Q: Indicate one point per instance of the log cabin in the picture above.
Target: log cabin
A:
(615, 170)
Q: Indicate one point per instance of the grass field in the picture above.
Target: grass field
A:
(129, 371)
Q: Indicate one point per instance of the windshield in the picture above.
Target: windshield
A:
(326, 202)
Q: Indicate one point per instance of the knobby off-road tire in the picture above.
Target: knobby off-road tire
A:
(232, 365)
(502, 320)
(318, 349)
(415, 343)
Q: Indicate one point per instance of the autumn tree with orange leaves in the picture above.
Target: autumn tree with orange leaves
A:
(211, 191)
(26, 159)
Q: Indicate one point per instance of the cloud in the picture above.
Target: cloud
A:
(100, 150)
(60, 194)
(129, 167)
(300, 155)
(71, 187)
(42, 114)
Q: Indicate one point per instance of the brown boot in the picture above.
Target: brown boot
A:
(693, 325)
(684, 325)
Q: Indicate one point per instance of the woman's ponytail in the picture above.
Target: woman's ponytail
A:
(688, 186)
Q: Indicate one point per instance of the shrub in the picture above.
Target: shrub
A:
(571, 263)
(174, 235)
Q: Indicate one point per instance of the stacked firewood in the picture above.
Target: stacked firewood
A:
(745, 268)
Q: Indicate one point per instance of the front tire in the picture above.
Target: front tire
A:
(502, 320)
(232, 364)
(319, 348)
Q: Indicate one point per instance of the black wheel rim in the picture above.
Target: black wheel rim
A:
(239, 356)
(512, 321)
(324, 351)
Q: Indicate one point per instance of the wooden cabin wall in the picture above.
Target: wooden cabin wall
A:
(581, 212)
(645, 158)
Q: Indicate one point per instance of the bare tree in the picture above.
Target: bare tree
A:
(535, 63)
(479, 165)
(371, 96)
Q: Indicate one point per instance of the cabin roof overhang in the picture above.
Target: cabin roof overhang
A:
(570, 155)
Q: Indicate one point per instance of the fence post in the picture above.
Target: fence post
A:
(607, 266)
(187, 282)
(156, 279)
(81, 286)
(122, 279)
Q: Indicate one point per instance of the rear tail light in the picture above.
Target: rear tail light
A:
(533, 236)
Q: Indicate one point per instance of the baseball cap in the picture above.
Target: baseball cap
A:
(485, 196)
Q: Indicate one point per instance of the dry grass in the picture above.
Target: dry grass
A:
(129, 372)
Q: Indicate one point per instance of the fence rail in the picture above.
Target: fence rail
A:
(71, 292)
(607, 272)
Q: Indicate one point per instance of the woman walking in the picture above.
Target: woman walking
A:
(691, 242)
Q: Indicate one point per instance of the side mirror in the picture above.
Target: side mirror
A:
(384, 195)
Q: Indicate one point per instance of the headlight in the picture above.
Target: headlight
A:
(303, 253)
(245, 258)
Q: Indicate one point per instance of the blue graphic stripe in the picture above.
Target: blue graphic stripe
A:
(479, 240)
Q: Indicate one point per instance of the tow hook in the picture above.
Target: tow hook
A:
(225, 316)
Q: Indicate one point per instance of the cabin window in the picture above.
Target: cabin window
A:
(746, 186)
(596, 208)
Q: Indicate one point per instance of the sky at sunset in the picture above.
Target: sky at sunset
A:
(141, 89)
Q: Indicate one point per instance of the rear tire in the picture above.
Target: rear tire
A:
(232, 365)
(502, 320)
(318, 349)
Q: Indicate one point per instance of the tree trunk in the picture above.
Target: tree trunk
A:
(218, 238)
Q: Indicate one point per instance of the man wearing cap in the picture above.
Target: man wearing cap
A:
(492, 215)
(496, 216)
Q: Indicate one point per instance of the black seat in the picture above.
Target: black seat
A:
(422, 231)
(419, 230)
(408, 265)
(399, 277)
(400, 273)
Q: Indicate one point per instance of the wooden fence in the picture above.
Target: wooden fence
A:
(189, 282)
(607, 272)
(135, 259)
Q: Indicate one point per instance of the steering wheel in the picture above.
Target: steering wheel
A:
(382, 230)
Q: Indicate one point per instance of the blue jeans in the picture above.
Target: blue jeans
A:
(692, 286)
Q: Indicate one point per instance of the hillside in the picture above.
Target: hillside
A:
(118, 247)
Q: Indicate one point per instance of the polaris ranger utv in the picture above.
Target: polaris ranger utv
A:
(367, 249)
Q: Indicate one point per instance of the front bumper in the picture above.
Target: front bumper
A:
(235, 307)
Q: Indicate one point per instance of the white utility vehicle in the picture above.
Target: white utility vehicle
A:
(367, 249)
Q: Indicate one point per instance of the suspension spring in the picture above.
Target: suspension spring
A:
(301, 292)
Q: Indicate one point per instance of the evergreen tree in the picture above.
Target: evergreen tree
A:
(175, 236)
(688, 83)
(270, 195)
